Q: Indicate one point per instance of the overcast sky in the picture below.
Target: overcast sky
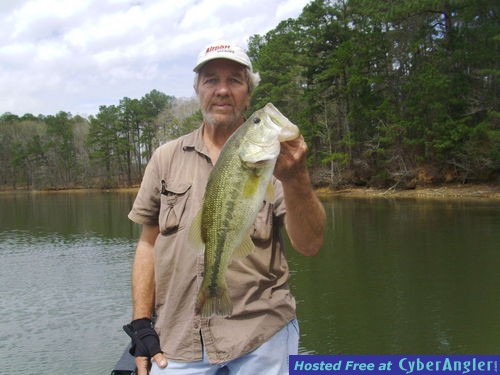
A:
(75, 55)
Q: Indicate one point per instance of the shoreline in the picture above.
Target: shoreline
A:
(445, 191)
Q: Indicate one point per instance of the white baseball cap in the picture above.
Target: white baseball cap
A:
(222, 50)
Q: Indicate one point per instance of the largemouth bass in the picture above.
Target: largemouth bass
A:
(235, 190)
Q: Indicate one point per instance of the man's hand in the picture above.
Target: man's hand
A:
(291, 163)
(305, 216)
(145, 345)
(143, 364)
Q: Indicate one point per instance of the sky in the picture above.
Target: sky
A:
(76, 55)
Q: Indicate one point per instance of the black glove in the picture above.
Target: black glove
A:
(145, 340)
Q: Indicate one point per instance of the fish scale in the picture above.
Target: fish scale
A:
(234, 194)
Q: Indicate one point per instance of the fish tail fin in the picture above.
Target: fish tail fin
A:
(216, 303)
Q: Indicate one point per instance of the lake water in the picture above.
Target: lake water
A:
(394, 276)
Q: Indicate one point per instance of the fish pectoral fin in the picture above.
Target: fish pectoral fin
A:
(245, 249)
(270, 193)
(194, 236)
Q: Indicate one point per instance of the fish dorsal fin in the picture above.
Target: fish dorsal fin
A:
(194, 236)
(244, 249)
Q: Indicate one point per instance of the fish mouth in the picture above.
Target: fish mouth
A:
(273, 123)
(287, 130)
(257, 164)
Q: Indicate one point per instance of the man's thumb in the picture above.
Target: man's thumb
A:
(160, 360)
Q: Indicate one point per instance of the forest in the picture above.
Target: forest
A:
(386, 93)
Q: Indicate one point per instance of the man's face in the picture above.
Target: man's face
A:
(222, 90)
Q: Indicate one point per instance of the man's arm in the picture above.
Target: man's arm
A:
(143, 277)
(143, 288)
(305, 215)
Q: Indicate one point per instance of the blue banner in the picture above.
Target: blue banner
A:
(394, 364)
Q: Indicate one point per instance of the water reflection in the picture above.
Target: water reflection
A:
(103, 214)
(394, 276)
(398, 276)
(63, 300)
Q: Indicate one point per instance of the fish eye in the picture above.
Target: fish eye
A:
(256, 120)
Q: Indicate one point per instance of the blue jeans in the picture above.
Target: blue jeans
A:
(271, 358)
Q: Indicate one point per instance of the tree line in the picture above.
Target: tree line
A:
(107, 150)
(387, 93)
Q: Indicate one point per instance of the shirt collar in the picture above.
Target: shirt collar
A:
(194, 142)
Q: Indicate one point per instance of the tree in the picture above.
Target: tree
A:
(104, 142)
(61, 150)
(384, 88)
(152, 105)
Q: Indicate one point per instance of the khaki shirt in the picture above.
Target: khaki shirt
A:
(171, 194)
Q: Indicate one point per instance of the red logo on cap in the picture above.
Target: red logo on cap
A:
(217, 48)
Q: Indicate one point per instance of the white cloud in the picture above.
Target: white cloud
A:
(43, 18)
(288, 9)
(74, 55)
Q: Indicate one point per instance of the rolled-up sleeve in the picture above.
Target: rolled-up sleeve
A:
(146, 206)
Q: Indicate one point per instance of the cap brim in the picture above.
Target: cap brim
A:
(221, 56)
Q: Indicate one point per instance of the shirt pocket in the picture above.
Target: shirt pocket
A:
(263, 225)
(174, 198)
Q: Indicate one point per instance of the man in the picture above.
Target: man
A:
(166, 274)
